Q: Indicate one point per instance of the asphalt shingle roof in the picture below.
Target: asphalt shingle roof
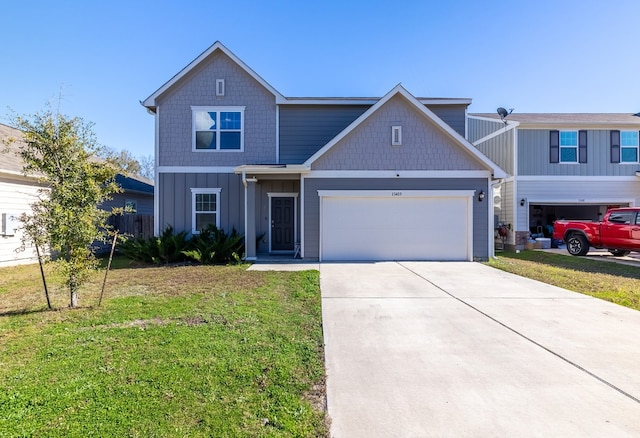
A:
(567, 118)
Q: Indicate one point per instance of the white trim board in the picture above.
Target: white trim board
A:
(397, 193)
(494, 134)
(579, 201)
(156, 171)
(195, 169)
(579, 178)
(399, 174)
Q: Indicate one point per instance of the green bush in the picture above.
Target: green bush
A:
(213, 246)
(166, 248)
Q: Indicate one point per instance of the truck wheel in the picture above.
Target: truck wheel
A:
(577, 245)
(619, 252)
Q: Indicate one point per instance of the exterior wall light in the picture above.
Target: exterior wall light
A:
(481, 196)
(522, 201)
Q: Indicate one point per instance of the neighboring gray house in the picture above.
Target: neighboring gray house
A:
(136, 197)
(389, 178)
(572, 166)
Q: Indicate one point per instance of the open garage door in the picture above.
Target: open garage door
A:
(396, 225)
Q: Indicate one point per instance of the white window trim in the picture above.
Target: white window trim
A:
(199, 191)
(560, 147)
(637, 147)
(220, 87)
(396, 135)
(217, 109)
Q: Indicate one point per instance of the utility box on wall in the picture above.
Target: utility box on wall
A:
(10, 224)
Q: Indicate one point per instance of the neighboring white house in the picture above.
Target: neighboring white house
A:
(17, 193)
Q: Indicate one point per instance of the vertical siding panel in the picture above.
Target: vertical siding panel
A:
(533, 156)
(452, 115)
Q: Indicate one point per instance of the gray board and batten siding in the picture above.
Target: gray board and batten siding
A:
(195, 89)
(174, 190)
(304, 129)
(500, 150)
(312, 205)
(262, 207)
(479, 128)
(533, 156)
(453, 115)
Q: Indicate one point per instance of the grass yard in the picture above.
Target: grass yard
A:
(609, 281)
(194, 351)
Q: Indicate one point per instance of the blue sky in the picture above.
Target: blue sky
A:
(534, 56)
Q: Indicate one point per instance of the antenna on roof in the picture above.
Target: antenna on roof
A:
(503, 113)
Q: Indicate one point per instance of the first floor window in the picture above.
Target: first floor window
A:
(568, 146)
(130, 206)
(628, 146)
(218, 128)
(205, 209)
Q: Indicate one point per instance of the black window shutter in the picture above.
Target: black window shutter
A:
(615, 146)
(582, 146)
(554, 146)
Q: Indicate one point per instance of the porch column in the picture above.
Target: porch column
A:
(250, 219)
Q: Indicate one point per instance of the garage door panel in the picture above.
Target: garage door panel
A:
(387, 228)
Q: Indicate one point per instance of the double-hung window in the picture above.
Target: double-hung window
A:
(205, 209)
(629, 146)
(568, 146)
(218, 128)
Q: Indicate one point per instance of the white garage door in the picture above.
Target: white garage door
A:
(399, 225)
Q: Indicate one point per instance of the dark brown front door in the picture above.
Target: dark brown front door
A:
(282, 224)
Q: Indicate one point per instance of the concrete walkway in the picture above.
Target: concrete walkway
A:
(418, 349)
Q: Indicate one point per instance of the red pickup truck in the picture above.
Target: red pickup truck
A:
(619, 232)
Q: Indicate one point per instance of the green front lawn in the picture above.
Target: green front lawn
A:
(173, 351)
(609, 281)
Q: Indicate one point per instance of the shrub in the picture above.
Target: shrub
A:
(166, 248)
(214, 246)
(211, 246)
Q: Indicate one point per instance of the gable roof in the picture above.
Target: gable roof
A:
(427, 114)
(150, 102)
(135, 183)
(10, 162)
(569, 119)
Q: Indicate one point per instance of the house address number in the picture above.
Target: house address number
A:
(396, 193)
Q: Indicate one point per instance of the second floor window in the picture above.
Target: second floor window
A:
(568, 146)
(628, 146)
(218, 128)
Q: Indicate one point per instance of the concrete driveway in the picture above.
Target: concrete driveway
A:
(417, 349)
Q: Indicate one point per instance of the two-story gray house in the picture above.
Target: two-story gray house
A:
(390, 178)
(572, 166)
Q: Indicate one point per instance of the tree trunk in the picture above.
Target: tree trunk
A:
(73, 288)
